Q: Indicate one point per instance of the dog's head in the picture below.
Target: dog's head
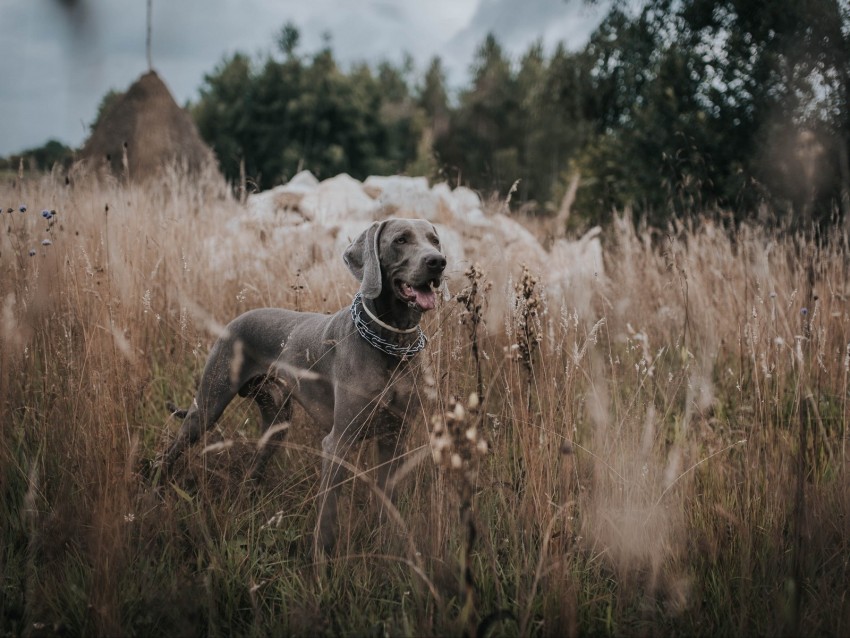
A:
(398, 256)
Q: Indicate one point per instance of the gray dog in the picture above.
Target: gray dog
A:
(350, 371)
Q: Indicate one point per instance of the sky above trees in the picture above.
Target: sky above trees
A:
(61, 56)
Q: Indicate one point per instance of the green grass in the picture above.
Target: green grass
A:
(669, 458)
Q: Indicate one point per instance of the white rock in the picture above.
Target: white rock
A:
(262, 206)
(581, 258)
(443, 190)
(338, 199)
(466, 200)
(281, 204)
(304, 180)
(375, 185)
(576, 273)
(403, 196)
(516, 236)
(464, 204)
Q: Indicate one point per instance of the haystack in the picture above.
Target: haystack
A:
(155, 132)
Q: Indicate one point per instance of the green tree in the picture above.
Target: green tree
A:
(43, 158)
(287, 39)
(224, 114)
(433, 98)
(305, 112)
(727, 104)
(481, 142)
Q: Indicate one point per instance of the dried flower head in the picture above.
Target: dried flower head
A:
(472, 300)
(456, 439)
(528, 307)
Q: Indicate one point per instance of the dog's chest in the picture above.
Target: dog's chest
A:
(392, 409)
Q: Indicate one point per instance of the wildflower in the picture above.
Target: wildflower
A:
(804, 311)
(456, 439)
(32, 252)
(46, 214)
(46, 242)
(22, 208)
(459, 413)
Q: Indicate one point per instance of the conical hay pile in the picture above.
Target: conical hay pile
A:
(155, 130)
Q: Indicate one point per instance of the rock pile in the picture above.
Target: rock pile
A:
(305, 224)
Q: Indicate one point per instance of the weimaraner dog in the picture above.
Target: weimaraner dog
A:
(351, 370)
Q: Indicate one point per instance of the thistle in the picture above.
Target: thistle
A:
(527, 309)
(473, 298)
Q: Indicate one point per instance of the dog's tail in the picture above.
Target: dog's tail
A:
(175, 411)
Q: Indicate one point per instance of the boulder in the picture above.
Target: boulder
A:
(337, 199)
(282, 203)
(576, 272)
(307, 225)
(375, 185)
(404, 196)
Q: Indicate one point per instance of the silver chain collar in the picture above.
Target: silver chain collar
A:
(404, 353)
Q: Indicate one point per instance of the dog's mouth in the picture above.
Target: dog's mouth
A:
(422, 296)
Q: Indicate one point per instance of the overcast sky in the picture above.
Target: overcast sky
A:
(60, 57)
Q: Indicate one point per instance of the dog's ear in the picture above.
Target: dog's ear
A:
(364, 262)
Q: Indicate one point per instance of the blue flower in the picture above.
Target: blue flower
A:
(32, 252)
(46, 214)
(804, 311)
(46, 242)
(22, 208)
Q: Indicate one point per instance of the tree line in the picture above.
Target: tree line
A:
(673, 107)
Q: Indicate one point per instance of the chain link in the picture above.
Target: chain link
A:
(404, 353)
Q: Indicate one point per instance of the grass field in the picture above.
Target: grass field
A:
(668, 457)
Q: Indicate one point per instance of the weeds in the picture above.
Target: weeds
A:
(615, 496)
(473, 298)
(457, 444)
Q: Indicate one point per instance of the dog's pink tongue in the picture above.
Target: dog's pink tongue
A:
(425, 299)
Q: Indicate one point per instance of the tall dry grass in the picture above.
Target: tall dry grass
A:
(666, 455)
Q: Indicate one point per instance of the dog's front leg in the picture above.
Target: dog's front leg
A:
(333, 475)
(390, 449)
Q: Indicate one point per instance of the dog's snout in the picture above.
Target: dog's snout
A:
(435, 262)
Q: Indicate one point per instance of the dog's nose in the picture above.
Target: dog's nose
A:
(435, 262)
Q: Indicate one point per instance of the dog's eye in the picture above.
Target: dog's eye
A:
(401, 239)
(435, 240)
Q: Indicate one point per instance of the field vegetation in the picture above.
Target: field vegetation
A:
(665, 455)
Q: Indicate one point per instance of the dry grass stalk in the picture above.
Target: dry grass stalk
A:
(658, 522)
(473, 299)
